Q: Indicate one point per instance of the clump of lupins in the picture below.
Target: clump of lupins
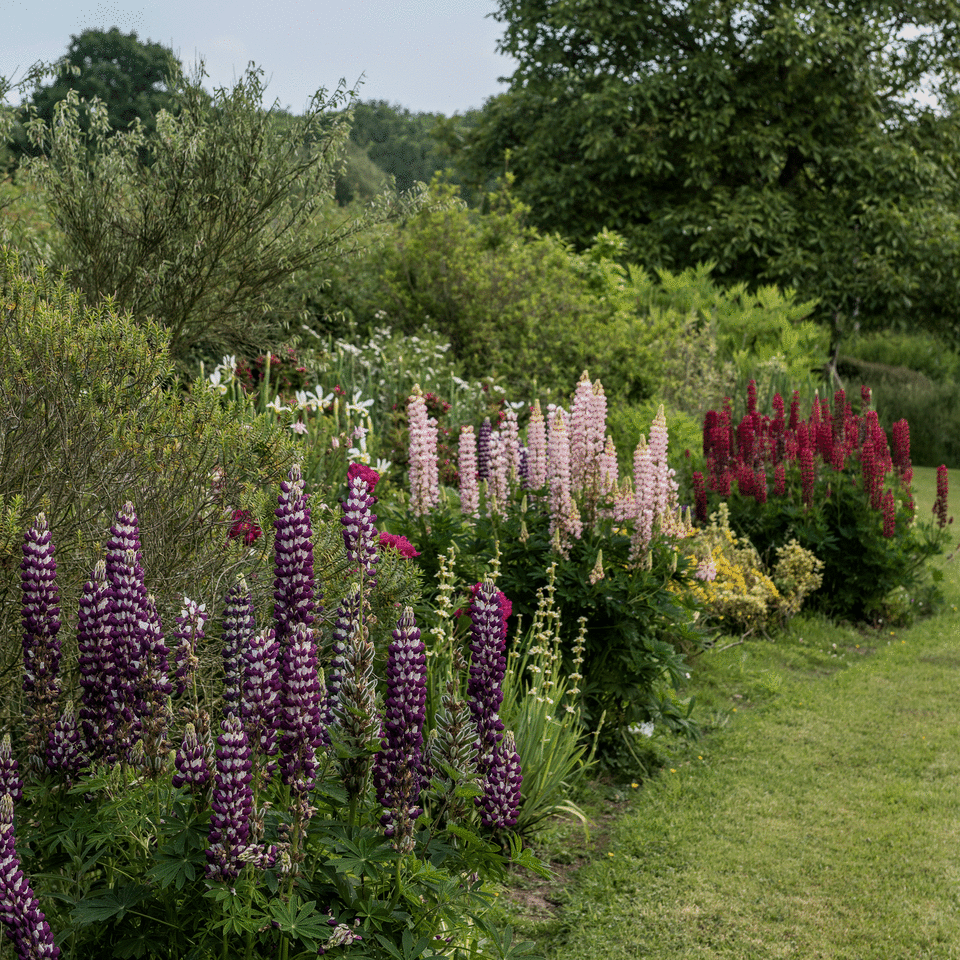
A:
(287, 738)
(826, 447)
(569, 463)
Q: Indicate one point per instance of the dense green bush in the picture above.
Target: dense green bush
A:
(201, 235)
(913, 377)
(835, 484)
(89, 419)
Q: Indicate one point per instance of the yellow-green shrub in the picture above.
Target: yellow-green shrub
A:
(736, 588)
(90, 419)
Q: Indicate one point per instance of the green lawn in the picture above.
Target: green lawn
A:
(819, 817)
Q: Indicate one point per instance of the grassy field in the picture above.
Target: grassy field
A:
(818, 819)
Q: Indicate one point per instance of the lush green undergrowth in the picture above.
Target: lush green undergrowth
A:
(817, 817)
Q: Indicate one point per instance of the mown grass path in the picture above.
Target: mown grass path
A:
(821, 819)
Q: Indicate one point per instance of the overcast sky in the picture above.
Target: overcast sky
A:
(437, 56)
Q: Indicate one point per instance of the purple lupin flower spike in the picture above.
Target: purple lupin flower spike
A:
(260, 691)
(345, 624)
(124, 536)
(65, 745)
(500, 801)
(359, 533)
(231, 803)
(239, 625)
(10, 782)
(293, 583)
(130, 623)
(191, 762)
(186, 637)
(155, 687)
(398, 767)
(301, 699)
(41, 624)
(20, 911)
(488, 666)
(98, 671)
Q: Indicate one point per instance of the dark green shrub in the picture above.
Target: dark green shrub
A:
(89, 421)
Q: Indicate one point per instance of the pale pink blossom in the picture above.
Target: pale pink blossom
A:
(424, 470)
(469, 489)
(536, 449)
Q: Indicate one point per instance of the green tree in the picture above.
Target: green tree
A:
(232, 201)
(809, 146)
(130, 77)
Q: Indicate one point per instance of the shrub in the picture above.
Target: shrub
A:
(736, 588)
(830, 482)
(513, 304)
(88, 417)
(616, 547)
(204, 232)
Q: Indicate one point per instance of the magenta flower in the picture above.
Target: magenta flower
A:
(20, 910)
(399, 543)
(367, 474)
(231, 802)
(244, 526)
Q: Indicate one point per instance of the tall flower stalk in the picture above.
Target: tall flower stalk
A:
(294, 589)
(398, 767)
(20, 911)
(41, 626)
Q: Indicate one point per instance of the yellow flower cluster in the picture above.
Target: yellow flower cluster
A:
(740, 592)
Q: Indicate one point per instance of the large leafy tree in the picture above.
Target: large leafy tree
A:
(129, 76)
(811, 145)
